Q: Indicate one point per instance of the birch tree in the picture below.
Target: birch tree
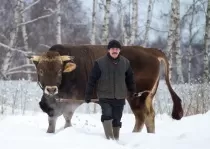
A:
(93, 30)
(24, 34)
(149, 18)
(105, 34)
(13, 36)
(58, 21)
(171, 37)
(134, 24)
(190, 43)
(180, 78)
(207, 45)
(123, 34)
(173, 45)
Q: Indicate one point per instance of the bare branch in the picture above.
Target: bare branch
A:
(44, 45)
(30, 5)
(20, 67)
(31, 21)
(157, 29)
(12, 49)
(26, 72)
(49, 9)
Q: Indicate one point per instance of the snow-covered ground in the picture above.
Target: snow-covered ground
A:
(29, 132)
(26, 127)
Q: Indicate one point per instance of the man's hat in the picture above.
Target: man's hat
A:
(114, 44)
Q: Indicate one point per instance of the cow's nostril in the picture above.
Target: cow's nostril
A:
(51, 90)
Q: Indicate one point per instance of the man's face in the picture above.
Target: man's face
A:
(114, 52)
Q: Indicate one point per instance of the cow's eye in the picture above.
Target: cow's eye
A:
(41, 72)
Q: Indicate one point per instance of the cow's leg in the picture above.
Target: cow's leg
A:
(140, 120)
(150, 119)
(68, 117)
(138, 108)
(69, 111)
(52, 123)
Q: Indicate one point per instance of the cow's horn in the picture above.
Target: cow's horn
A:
(66, 58)
(35, 58)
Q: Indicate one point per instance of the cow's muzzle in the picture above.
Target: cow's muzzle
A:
(51, 90)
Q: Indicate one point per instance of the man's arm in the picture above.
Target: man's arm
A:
(93, 78)
(129, 79)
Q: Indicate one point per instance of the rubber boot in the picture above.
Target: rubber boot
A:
(116, 132)
(108, 129)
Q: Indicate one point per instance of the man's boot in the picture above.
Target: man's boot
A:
(107, 124)
(116, 132)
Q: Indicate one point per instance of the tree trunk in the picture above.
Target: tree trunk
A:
(180, 78)
(134, 21)
(93, 33)
(106, 22)
(58, 22)
(24, 35)
(13, 35)
(171, 37)
(190, 43)
(149, 18)
(207, 46)
(124, 35)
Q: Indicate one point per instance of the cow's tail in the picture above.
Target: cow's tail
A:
(177, 112)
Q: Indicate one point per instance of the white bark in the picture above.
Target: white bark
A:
(124, 35)
(171, 37)
(106, 22)
(190, 54)
(58, 22)
(134, 21)
(24, 35)
(13, 36)
(93, 32)
(180, 78)
(207, 46)
(149, 18)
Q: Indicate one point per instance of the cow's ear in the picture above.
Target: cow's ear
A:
(69, 67)
(35, 59)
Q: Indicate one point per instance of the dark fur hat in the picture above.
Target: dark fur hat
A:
(114, 44)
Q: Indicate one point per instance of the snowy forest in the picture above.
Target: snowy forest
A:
(180, 28)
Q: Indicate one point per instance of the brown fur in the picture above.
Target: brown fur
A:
(146, 66)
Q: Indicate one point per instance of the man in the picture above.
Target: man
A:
(114, 76)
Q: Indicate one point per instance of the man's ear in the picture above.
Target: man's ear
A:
(69, 67)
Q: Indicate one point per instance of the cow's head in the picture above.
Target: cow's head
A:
(50, 67)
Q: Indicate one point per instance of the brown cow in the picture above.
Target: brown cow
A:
(61, 77)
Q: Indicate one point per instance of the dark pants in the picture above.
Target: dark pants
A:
(112, 109)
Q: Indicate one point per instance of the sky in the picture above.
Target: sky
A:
(29, 131)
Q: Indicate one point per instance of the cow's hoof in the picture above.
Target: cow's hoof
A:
(67, 125)
(50, 131)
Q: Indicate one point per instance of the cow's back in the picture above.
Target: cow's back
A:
(144, 63)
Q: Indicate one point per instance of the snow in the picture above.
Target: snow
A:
(26, 127)
(29, 131)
